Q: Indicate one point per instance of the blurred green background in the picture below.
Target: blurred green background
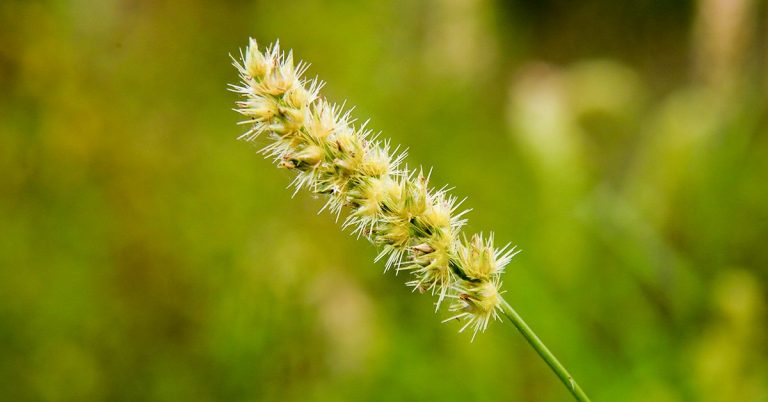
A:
(146, 255)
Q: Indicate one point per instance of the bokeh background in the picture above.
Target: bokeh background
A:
(146, 255)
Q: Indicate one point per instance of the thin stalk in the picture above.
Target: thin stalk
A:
(545, 354)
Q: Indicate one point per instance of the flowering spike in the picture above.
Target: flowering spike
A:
(417, 229)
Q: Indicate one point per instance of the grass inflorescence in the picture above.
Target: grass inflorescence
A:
(416, 227)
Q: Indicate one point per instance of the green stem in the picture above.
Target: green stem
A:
(545, 354)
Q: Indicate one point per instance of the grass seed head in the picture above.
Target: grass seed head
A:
(418, 229)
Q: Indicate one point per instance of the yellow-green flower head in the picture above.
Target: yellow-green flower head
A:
(417, 229)
(480, 260)
(259, 108)
(479, 267)
(322, 120)
(256, 65)
(476, 303)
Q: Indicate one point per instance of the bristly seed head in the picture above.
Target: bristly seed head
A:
(416, 228)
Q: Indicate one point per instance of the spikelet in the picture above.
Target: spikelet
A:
(416, 228)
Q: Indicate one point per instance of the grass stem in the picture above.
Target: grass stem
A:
(544, 352)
